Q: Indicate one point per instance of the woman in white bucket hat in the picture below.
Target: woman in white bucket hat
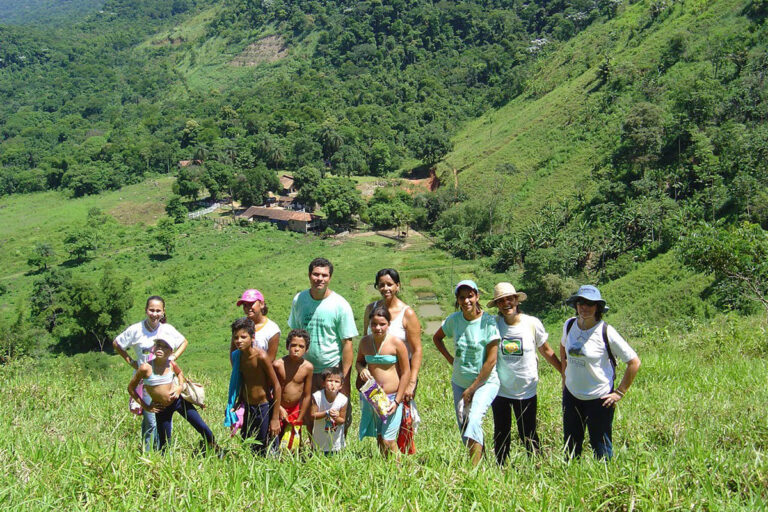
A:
(517, 366)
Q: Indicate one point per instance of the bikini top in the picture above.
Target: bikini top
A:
(157, 380)
(380, 358)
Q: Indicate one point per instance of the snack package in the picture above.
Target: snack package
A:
(376, 396)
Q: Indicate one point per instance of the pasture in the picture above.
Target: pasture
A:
(691, 433)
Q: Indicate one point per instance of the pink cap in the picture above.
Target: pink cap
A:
(250, 295)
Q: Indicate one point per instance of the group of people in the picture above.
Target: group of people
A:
(494, 366)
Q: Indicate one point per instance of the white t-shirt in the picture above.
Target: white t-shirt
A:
(588, 374)
(328, 436)
(517, 363)
(142, 339)
(262, 336)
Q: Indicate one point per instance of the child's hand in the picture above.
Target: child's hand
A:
(154, 407)
(392, 407)
(365, 374)
(274, 427)
(334, 414)
(283, 413)
(175, 393)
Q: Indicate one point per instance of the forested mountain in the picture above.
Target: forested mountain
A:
(584, 136)
(46, 12)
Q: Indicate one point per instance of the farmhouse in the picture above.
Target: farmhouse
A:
(286, 182)
(301, 222)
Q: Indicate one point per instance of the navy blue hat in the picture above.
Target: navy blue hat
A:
(587, 292)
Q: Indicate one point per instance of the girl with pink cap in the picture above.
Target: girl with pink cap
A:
(267, 336)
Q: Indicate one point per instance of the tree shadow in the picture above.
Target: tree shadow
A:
(159, 257)
(73, 344)
(72, 263)
(419, 172)
(35, 271)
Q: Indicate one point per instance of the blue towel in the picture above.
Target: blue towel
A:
(235, 381)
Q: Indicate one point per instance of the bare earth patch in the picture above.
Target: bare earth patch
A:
(430, 311)
(130, 213)
(268, 49)
(421, 282)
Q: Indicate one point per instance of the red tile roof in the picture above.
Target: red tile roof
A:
(276, 214)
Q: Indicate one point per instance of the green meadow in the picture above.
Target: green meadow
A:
(691, 434)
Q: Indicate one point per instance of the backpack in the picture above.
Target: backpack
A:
(568, 326)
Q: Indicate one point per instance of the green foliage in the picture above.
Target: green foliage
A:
(42, 256)
(95, 310)
(252, 186)
(81, 242)
(737, 254)
(388, 210)
(433, 144)
(176, 209)
(165, 234)
(340, 200)
(48, 298)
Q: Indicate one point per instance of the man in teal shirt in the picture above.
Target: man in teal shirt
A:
(328, 318)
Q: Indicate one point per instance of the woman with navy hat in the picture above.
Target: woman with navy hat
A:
(474, 379)
(588, 350)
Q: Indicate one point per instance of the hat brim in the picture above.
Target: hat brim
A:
(521, 296)
(571, 301)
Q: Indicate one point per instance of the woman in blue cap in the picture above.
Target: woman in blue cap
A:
(474, 379)
(588, 350)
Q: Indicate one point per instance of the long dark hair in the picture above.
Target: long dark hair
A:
(158, 298)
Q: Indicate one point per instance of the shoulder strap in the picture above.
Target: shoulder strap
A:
(569, 324)
(608, 349)
(175, 368)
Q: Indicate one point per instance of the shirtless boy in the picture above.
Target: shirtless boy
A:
(260, 419)
(295, 376)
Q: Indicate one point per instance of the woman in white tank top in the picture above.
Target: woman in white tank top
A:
(404, 325)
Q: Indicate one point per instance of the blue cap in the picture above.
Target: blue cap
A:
(587, 292)
(466, 282)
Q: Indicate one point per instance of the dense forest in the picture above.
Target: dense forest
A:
(675, 109)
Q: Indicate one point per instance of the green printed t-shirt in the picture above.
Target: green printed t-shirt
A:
(470, 340)
(328, 321)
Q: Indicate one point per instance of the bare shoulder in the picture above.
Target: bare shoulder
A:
(306, 365)
(144, 369)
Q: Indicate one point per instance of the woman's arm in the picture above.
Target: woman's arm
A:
(413, 337)
(272, 345)
(437, 339)
(177, 353)
(360, 364)
(367, 320)
(128, 359)
(492, 350)
(404, 369)
(546, 351)
(633, 366)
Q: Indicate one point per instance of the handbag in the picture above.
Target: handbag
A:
(193, 392)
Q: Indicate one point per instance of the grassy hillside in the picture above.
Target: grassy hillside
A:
(568, 121)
